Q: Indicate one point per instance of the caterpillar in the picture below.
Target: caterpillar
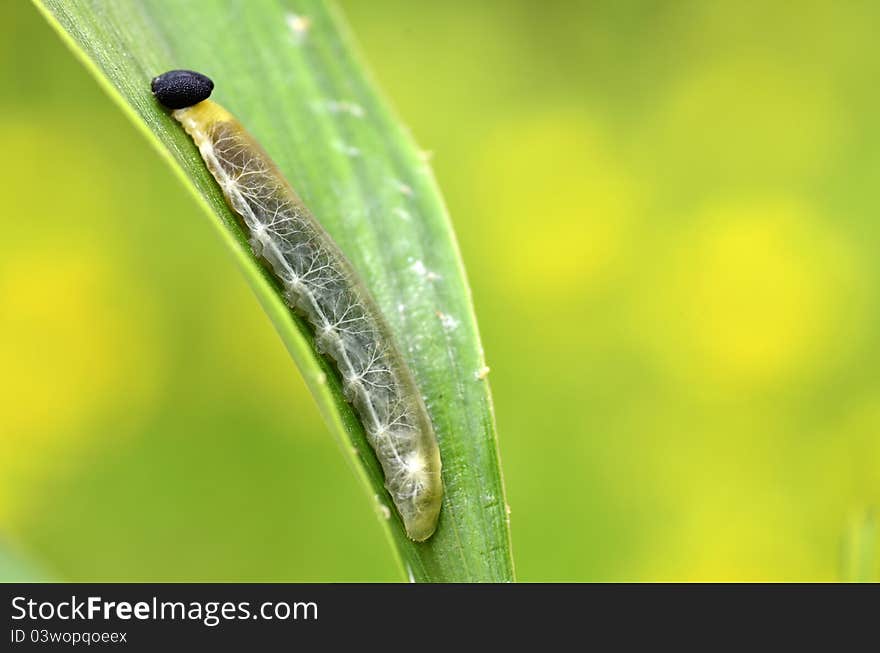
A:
(319, 283)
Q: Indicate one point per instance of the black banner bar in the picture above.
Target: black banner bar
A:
(268, 617)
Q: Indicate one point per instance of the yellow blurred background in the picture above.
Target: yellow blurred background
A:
(669, 217)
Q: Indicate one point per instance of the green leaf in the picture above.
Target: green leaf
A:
(288, 71)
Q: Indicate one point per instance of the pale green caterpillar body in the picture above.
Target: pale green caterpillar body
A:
(320, 283)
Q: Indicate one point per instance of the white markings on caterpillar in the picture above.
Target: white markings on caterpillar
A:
(482, 373)
(319, 283)
(402, 213)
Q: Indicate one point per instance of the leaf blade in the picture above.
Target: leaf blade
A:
(288, 71)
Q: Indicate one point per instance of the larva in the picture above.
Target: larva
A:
(320, 283)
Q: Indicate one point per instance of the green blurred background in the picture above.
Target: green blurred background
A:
(669, 217)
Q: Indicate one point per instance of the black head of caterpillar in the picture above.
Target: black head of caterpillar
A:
(178, 89)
